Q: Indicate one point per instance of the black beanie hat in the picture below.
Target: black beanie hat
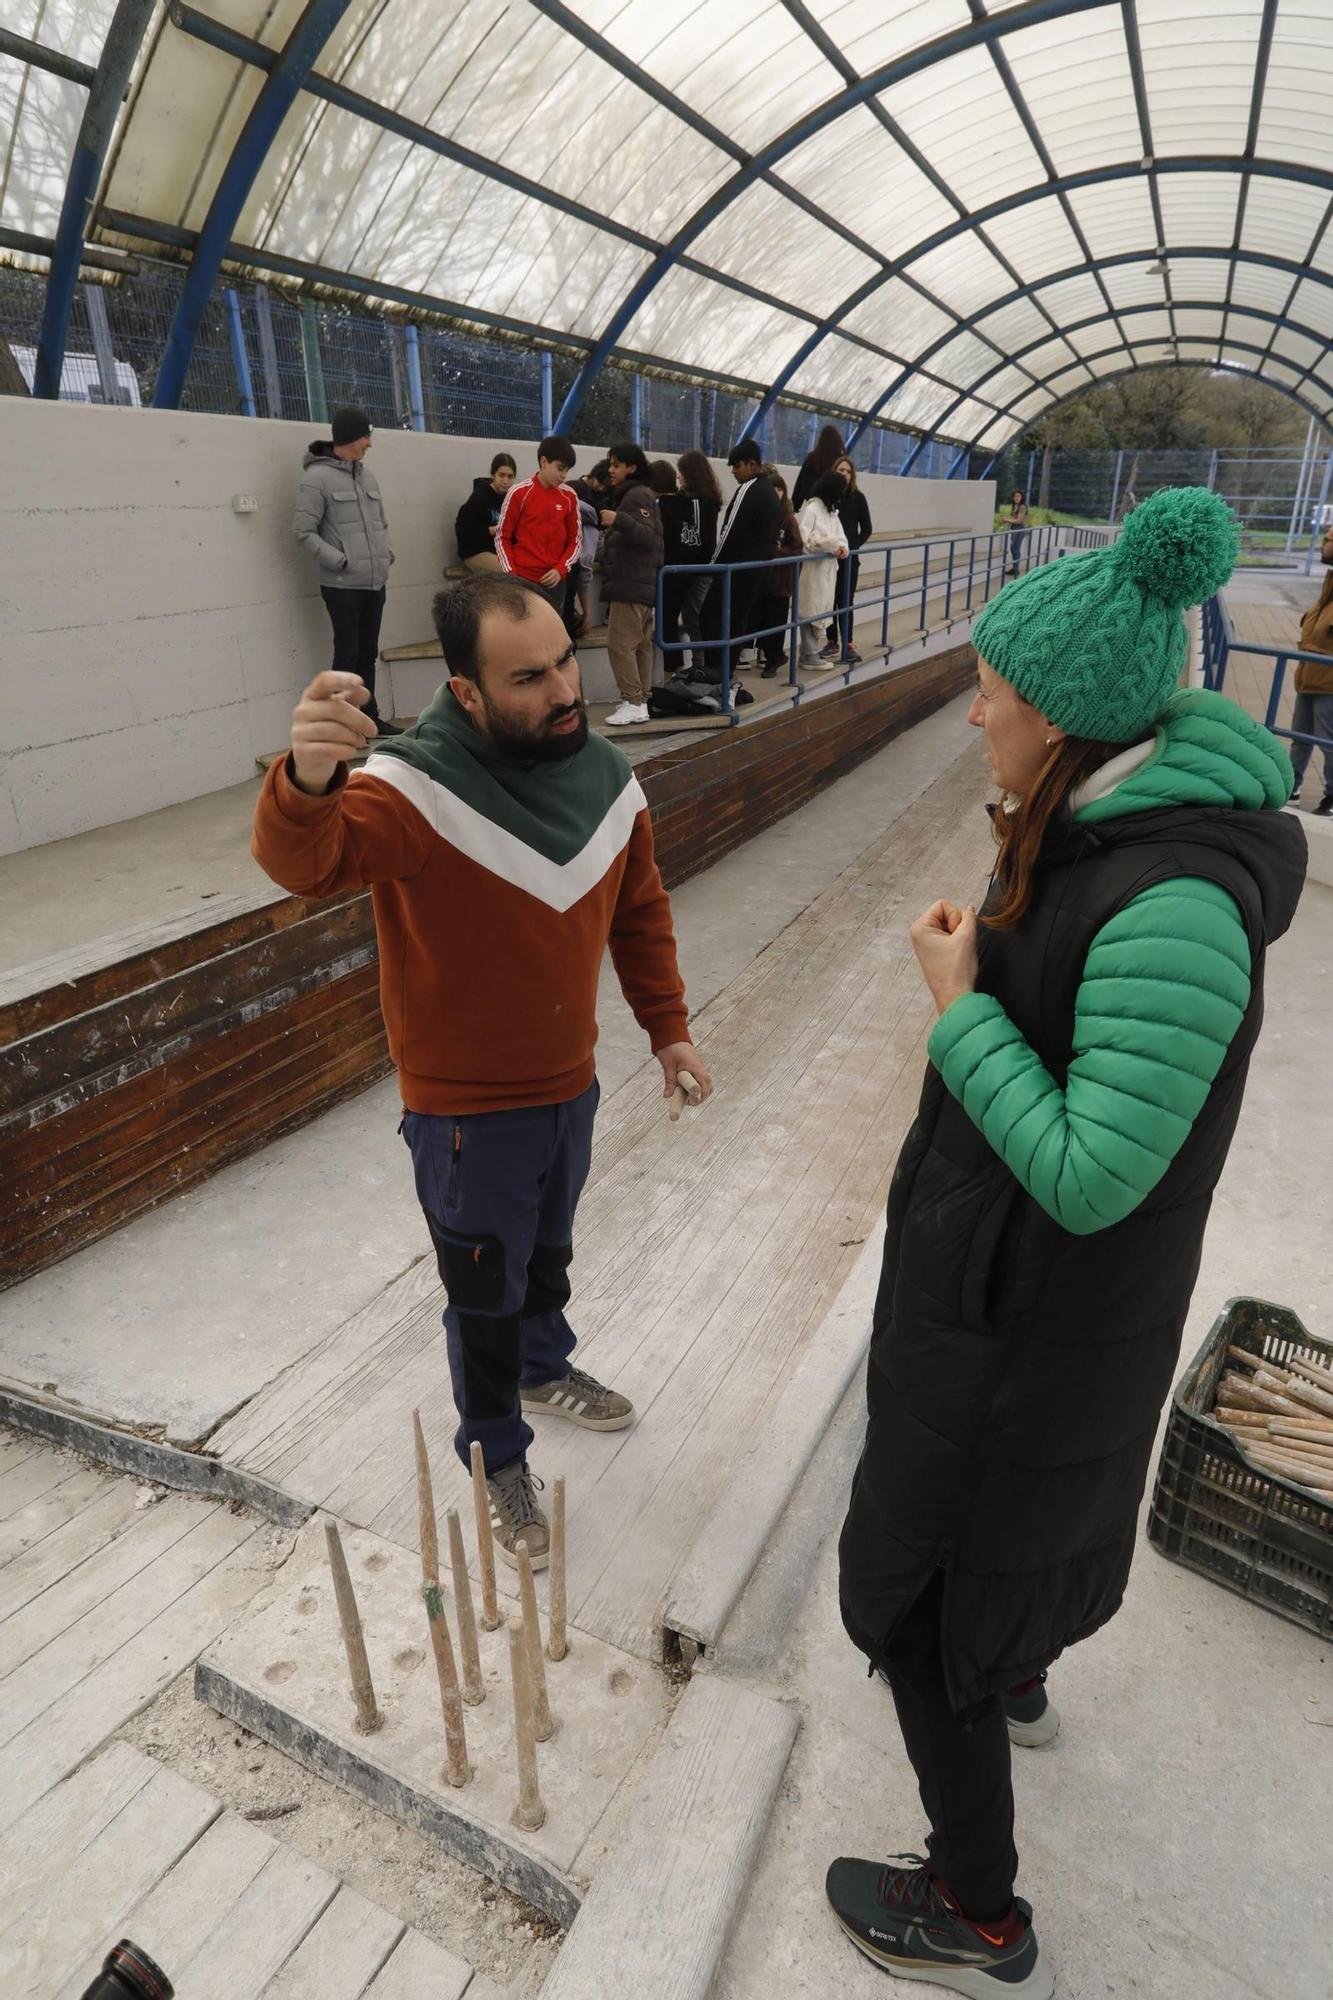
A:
(349, 425)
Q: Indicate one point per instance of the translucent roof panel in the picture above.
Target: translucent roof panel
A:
(604, 142)
(855, 170)
(1198, 63)
(1076, 79)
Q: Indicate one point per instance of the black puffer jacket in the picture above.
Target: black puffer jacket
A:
(632, 548)
(1017, 1370)
(479, 513)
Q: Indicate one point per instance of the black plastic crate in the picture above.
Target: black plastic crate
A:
(1256, 1532)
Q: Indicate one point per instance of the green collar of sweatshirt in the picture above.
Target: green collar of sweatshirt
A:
(553, 808)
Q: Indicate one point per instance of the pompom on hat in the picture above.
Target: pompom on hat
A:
(1096, 642)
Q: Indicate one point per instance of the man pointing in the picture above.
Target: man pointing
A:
(507, 847)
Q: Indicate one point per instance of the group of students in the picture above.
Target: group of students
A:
(644, 516)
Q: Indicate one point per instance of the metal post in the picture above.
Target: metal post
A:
(416, 395)
(1319, 513)
(726, 642)
(105, 92)
(1032, 466)
(311, 361)
(1299, 497)
(711, 446)
(636, 407)
(888, 594)
(814, 429)
(971, 569)
(240, 360)
(94, 302)
(1212, 470)
(948, 588)
(548, 399)
(277, 94)
(925, 580)
(1115, 489)
(268, 350)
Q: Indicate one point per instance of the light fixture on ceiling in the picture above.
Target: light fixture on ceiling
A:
(1157, 270)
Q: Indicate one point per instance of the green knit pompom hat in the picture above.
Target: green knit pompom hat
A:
(1097, 642)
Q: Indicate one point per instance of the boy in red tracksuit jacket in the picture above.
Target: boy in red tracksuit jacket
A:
(539, 530)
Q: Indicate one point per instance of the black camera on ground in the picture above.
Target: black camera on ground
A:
(128, 1973)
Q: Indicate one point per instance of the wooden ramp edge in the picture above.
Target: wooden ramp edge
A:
(656, 1920)
(705, 1589)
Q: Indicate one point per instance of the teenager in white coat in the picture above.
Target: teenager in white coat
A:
(823, 535)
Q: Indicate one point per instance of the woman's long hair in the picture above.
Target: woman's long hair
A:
(1020, 834)
(853, 484)
(699, 477)
(829, 448)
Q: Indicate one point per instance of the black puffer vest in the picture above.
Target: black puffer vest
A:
(1017, 1372)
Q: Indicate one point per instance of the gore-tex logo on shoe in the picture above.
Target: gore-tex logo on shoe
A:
(885, 1937)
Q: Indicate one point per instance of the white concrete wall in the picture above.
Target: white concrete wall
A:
(153, 641)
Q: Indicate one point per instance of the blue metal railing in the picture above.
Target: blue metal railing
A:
(957, 575)
(1220, 642)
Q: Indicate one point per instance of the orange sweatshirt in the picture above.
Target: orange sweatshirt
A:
(497, 886)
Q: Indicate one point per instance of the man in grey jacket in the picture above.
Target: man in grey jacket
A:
(340, 520)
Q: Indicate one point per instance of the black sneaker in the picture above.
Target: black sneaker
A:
(898, 1915)
(1325, 806)
(1032, 1720)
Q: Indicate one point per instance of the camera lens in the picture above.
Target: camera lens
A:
(128, 1973)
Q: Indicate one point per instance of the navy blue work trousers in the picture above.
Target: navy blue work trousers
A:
(499, 1190)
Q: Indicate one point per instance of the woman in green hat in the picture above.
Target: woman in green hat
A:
(1046, 1215)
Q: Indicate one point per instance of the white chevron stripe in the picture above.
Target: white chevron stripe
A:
(558, 885)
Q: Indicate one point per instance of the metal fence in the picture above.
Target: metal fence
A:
(1220, 644)
(265, 352)
(1280, 494)
(926, 583)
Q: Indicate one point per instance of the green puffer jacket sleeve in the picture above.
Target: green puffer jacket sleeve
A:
(1165, 987)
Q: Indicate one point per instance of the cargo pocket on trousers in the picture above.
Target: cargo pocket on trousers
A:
(472, 1268)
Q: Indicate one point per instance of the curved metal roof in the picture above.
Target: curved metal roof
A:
(945, 217)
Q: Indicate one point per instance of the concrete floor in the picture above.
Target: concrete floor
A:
(1175, 1841)
(185, 1313)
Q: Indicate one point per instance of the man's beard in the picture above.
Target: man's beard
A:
(540, 745)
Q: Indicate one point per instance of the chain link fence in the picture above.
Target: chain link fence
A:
(264, 352)
(1281, 494)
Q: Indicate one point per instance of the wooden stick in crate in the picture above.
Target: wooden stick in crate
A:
(1317, 1399)
(1312, 1371)
(1247, 1396)
(1317, 1432)
(1319, 1479)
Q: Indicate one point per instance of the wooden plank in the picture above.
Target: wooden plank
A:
(181, 1911)
(90, 1710)
(27, 1481)
(419, 1968)
(202, 1002)
(55, 1937)
(52, 1154)
(66, 1618)
(44, 1562)
(657, 1915)
(347, 1073)
(184, 1545)
(14, 1448)
(32, 1524)
(262, 1929)
(54, 1832)
(342, 1954)
(707, 1586)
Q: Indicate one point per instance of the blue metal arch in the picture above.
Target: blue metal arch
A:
(1116, 374)
(975, 35)
(1093, 177)
(1276, 320)
(1268, 260)
(277, 94)
(106, 90)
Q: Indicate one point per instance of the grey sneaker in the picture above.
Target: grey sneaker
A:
(516, 1516)
(582, 1400)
